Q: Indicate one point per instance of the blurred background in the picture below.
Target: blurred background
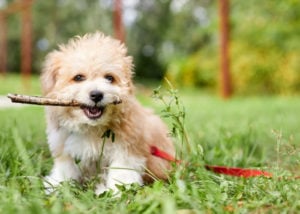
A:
(176, 39)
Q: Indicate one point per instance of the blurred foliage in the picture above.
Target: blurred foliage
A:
(54, 22)
(178, 39)
(147, 35)
(164, 30)
(264, 48)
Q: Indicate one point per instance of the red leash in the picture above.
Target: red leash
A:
(239, 172)
(161, 154)
(232, 171)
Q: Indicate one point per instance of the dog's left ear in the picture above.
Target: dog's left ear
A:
(49, 72)
(129, 73)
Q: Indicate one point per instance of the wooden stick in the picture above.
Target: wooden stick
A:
(25, 99)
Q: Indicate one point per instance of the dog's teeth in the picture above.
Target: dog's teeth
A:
(93, 112)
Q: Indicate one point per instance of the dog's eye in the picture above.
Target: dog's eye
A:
(79, 78)
(110, 78)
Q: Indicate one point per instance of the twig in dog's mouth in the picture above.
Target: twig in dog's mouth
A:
(37, 100)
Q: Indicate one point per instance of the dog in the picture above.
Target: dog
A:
(96, 70)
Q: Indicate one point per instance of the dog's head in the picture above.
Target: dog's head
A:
(94, 70)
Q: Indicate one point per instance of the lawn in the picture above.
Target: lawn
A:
(259, 132)
(13, 83)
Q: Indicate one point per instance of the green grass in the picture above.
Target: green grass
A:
(13, 83)
(247, 132)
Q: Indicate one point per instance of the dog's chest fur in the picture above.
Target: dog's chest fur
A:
(91, 146)
(83, 146)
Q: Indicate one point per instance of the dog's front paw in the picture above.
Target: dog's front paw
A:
(50, 184)
(101, 188)
(58, 175)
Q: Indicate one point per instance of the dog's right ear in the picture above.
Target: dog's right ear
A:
(50, 71)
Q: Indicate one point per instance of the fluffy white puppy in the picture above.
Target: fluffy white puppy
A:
(95, 70)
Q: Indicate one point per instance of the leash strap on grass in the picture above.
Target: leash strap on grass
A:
(239, 172)
(232, 171)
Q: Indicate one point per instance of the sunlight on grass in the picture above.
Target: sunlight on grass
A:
(13, 83)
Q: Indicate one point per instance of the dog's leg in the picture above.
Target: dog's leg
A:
(64, 169)
(122, 171)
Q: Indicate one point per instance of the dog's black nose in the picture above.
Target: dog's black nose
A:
(96, 96)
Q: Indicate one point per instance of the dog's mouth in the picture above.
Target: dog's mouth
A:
(93, 112)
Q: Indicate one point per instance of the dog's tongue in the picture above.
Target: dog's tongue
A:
(93, 112)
